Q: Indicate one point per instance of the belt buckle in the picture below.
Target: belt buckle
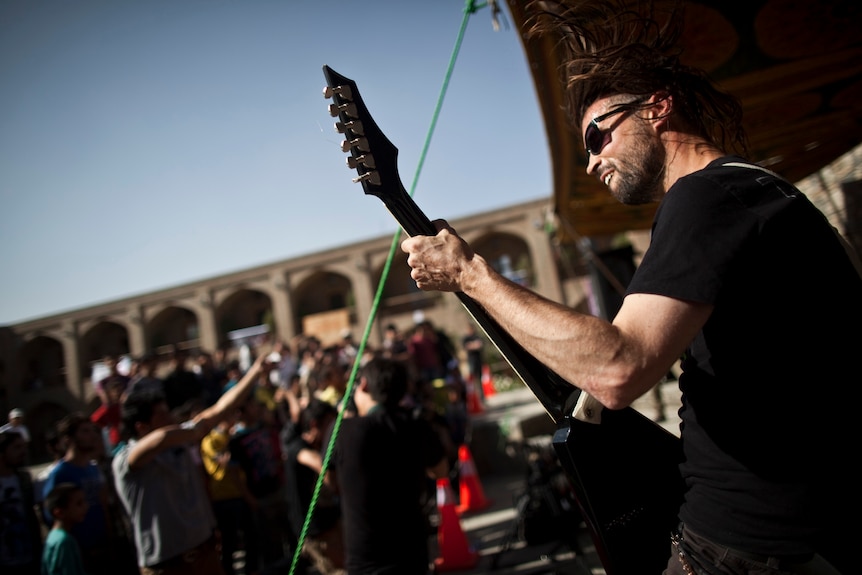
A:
(676, 539)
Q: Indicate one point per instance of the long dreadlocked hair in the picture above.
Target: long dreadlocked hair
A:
(631, 47)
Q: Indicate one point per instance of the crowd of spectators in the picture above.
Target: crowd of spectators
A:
(255, 435)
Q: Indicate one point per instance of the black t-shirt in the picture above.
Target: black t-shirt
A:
(766, 426)
(381, 461)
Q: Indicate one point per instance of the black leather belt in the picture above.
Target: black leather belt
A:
(774, 561)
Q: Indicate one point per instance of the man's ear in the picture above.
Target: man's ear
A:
(661, 106)
(362, 383)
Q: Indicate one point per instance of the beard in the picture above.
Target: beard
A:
(638, 180)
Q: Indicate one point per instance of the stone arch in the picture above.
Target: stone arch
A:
(320, 293)
(173, 325)
(244, 308)
(42, 364)
(509, 255)
(103, 338)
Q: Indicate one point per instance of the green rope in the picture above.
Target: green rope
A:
(469, 9)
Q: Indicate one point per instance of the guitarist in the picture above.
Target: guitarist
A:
(744, 279)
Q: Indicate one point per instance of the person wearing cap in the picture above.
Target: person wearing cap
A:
(16, 423)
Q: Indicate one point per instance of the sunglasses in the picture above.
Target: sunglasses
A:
(594, 138)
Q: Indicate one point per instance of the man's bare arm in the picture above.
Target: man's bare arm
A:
(615, 362)
(207, 419)
(171, 436)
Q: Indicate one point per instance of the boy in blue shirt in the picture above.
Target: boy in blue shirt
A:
(61, 555)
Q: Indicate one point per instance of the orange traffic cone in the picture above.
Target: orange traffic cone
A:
(474, 403)
(455, 552)
(487, 382)
(471, 492)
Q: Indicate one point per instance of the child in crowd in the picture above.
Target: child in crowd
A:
(61, 555)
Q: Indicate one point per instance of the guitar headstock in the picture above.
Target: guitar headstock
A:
(375, 159)
(372, 155)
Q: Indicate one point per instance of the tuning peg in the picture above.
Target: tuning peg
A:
(360, 144)
(370, 177)
(354, 126)
(349, 109)
(344, 91)
(367, 160)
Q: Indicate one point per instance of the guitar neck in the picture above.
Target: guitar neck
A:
(374, 158)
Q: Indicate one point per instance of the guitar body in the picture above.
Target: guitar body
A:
(625, 476)
(624, 470)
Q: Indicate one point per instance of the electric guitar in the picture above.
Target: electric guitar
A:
(623, 467)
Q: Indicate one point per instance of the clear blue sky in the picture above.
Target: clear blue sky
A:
(145, 144)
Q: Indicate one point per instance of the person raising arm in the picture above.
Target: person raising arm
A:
(161, 486)
(158, 439)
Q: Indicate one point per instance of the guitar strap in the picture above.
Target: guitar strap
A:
(851, 252)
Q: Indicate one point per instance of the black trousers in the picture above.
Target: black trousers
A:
(693, 554)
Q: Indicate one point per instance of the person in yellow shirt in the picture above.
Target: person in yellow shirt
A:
(333, 384)
(233, 504)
